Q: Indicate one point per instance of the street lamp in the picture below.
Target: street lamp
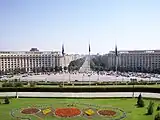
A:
(133, 81)
(133, 90)
(98, 75)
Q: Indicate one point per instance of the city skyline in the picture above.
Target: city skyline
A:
(46, 25)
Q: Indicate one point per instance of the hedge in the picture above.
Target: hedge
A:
(79, 89)
(96, 83)
(79, 83)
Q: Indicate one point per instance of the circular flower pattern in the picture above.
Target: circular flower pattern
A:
(109, 113)
(67, 112)
(30, 111)
(89, 111)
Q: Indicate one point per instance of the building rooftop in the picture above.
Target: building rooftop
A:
(136, 51)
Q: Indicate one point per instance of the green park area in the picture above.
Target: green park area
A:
(79, 84)
(79, 109)
(101, 86)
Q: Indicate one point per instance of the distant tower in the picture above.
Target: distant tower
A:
(89, 62)
(116, 58)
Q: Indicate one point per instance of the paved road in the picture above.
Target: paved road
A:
(73, 77)
(87, 95)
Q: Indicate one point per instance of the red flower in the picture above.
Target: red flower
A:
(67, 112)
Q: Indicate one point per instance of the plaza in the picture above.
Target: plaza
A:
(76, 77)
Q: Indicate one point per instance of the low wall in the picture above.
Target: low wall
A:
(78, 95)
(80, 89)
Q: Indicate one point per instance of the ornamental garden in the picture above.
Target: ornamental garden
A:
(79, 109)
(69, 111)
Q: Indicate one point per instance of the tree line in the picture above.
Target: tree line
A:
(97, 63)
(35, 70)
(100, 63)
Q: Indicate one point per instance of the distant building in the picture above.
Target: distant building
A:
(137, 60)
(34, 49)
(29, 60)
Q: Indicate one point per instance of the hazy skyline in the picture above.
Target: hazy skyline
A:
(46, 25)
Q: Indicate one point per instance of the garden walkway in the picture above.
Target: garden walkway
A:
(86, 95)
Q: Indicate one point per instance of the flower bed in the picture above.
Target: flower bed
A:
(109, 113)
(67, 112)
(46, 111)
(89, 112)
(30, 111)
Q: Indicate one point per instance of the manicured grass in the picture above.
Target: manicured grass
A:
(126, 104)
(103, 86)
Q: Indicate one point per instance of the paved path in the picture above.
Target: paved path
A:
(87, 95)
(73, 77)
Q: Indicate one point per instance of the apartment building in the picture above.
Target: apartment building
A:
(10, 60)
(29, 60)
(135, 60)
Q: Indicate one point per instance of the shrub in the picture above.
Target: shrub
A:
(150, 108)
(7, 85)
(157, 117)
(18, 84)
(6, 100)
(140, 102)
(32, 84)
(15, 80)
(139, 98)
(158, 108)
(60, 85)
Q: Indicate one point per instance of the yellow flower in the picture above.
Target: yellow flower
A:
(89, 112)
(46, 111)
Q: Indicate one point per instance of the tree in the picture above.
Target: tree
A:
(32, 84)
(6, 100)
(139, 97)
(150, 108)
(69, 69)
(16, 70)
(43, 69)
(18, 84)
(65, 68)
(158, 108)
(98, 63)
(140, 102)
(56, 69)
(7, 84)
(157, 117)
(39, 69)
(76, 64)
(9, 70)
(34, 70)
(1, 72)
(23, 70)
(51, 69)
(47, 69)
(60, 68)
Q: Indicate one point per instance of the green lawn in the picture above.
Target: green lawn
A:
(103, 86)
(128, 105)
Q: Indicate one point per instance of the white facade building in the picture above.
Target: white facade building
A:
(136, 60)
(29, 60)
(11, 60)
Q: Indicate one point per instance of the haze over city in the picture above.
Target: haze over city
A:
(46, 25)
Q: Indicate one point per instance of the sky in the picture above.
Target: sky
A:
(47, 24)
